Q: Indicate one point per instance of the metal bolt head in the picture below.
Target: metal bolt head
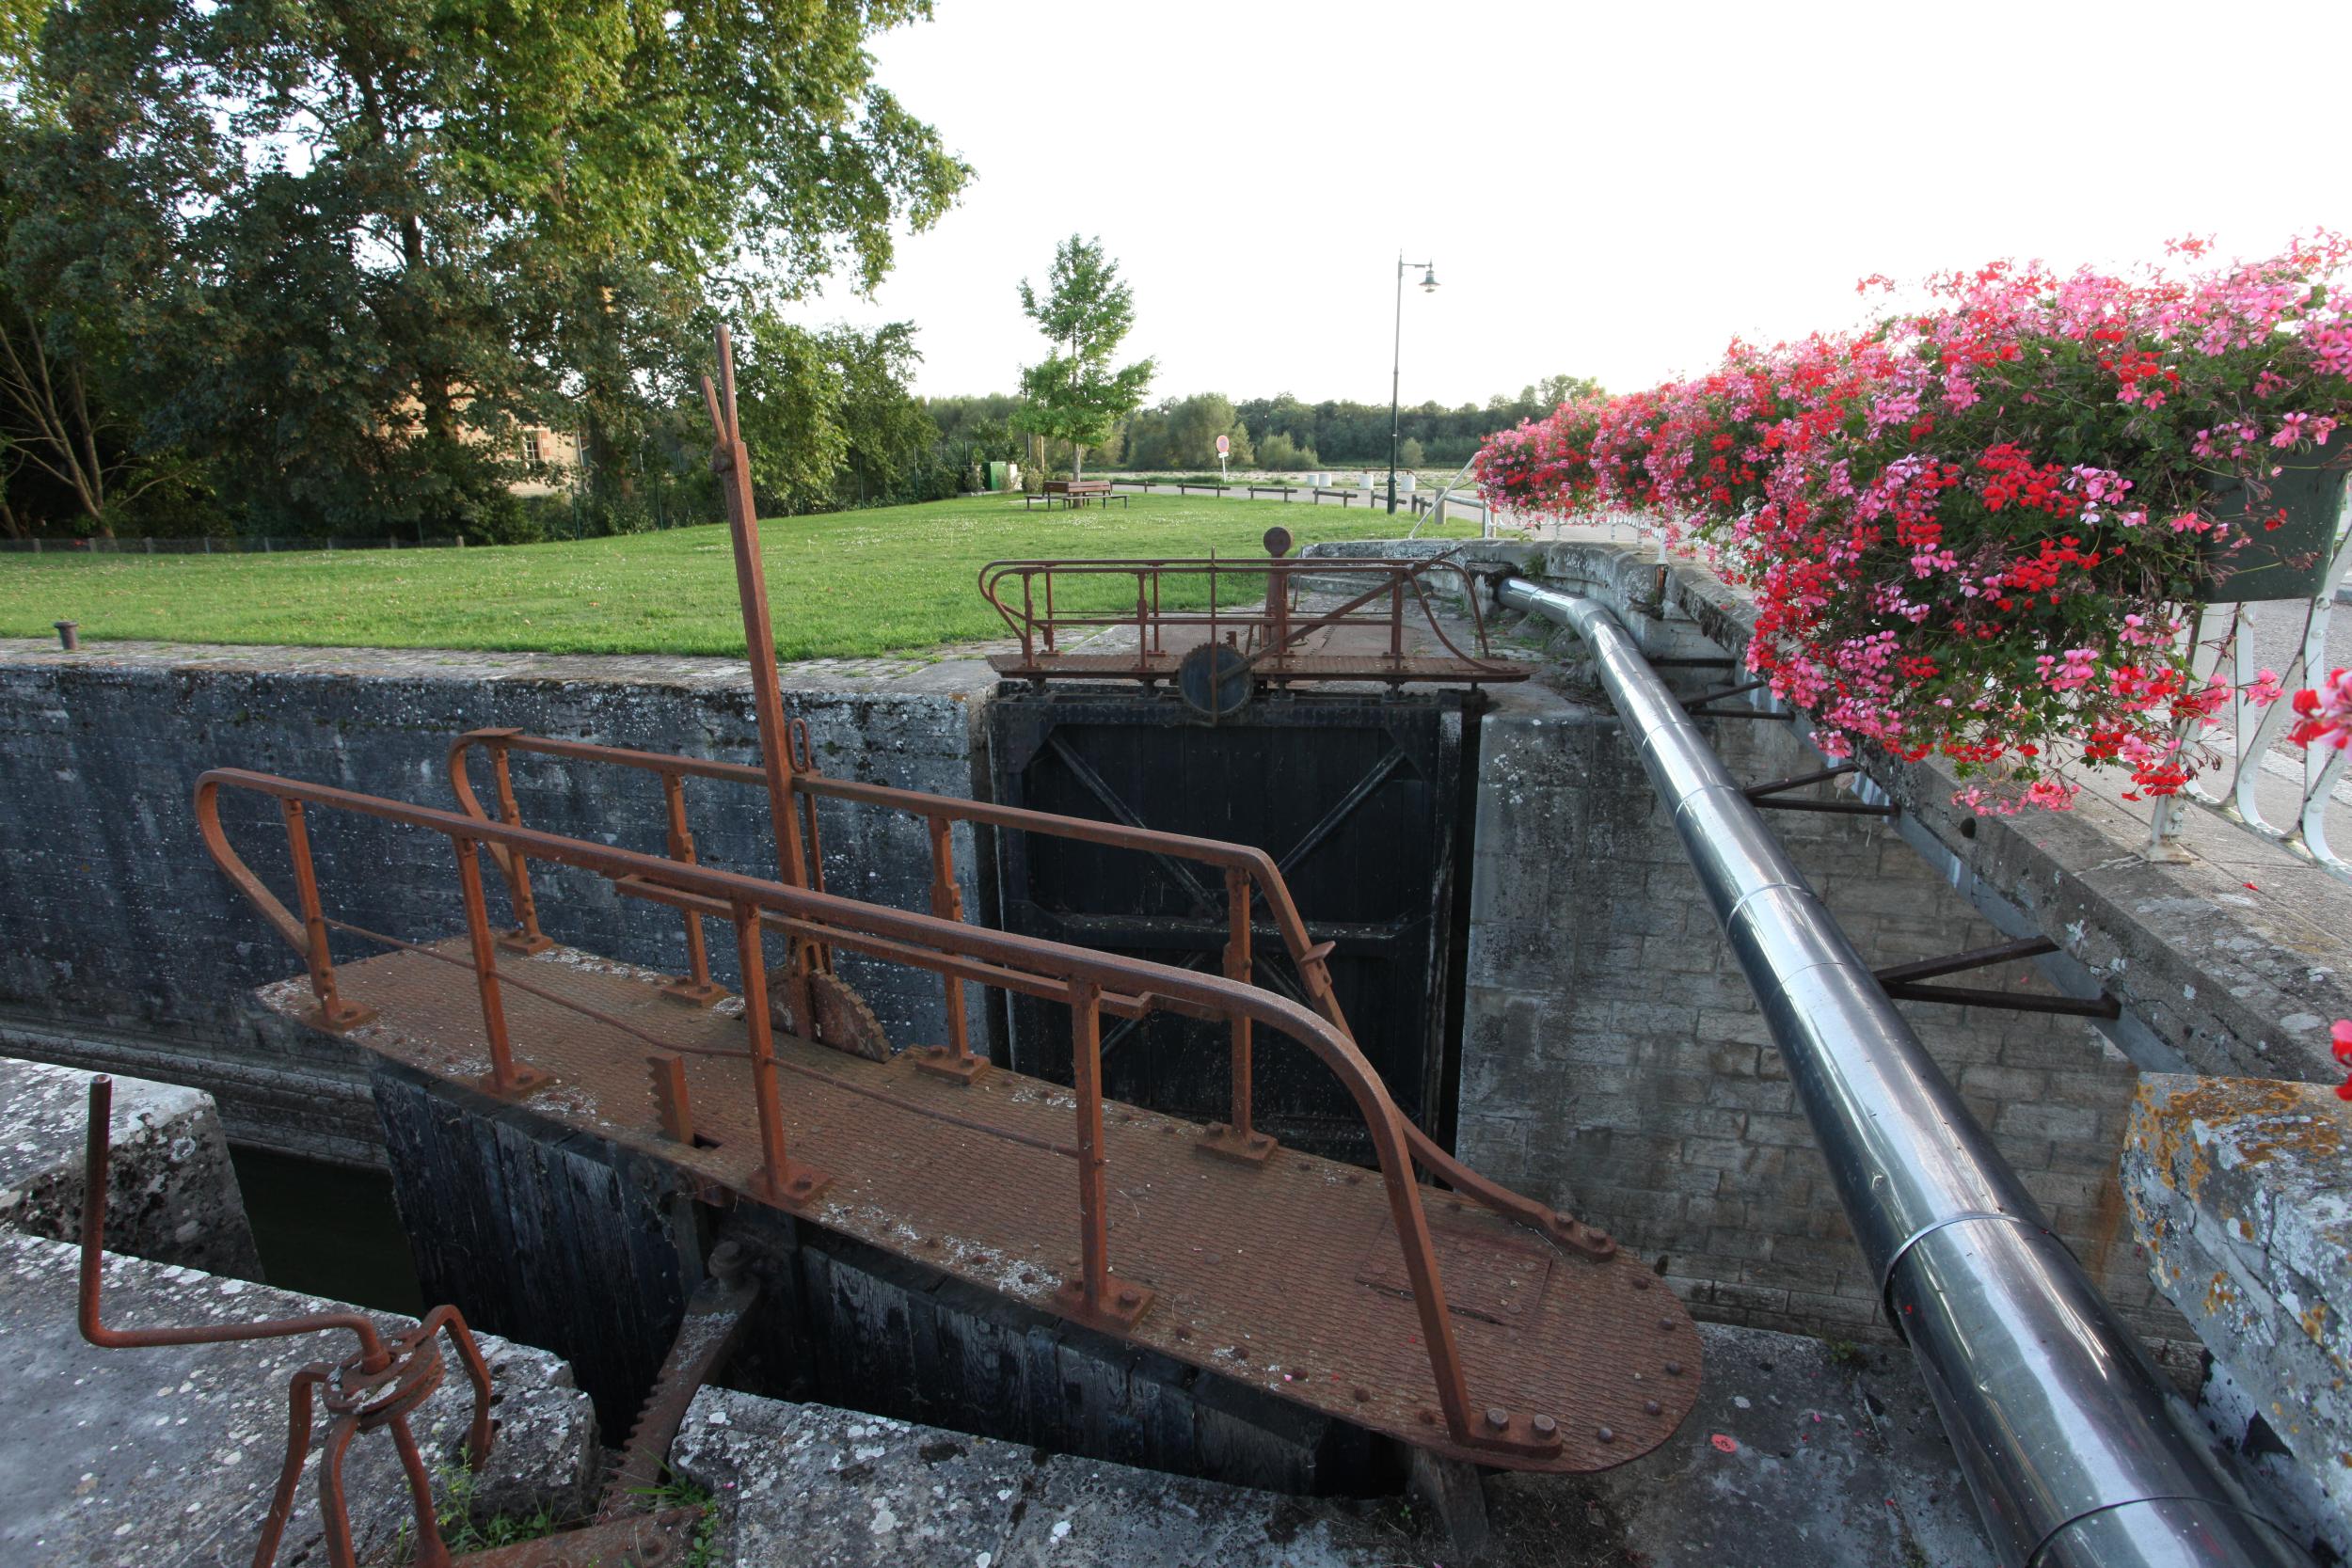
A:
(1641, 1282)
(1674, 1368)
(1605, 1436)
(1649, 1407)
(1498, 1417)
(1665, 1325)
(1129, 1298)
(1545, 1426)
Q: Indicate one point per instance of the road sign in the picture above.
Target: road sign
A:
(1224, 445)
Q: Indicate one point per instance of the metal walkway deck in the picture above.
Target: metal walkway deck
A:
(1284, 1274)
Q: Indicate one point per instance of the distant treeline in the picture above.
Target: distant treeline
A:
(1280, 433)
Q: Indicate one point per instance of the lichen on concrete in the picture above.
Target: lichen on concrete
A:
(1795, 1454)
(138, 1458)
(172, 1194)
(2237, 1189)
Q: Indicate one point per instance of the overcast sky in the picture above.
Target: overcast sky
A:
(1608, 190)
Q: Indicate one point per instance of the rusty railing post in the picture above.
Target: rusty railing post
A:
(333, 1014)
(526, 937)
(804, 754)
(1097, 1296)
(783, 1182)
(696, 989)
(954, 1059)
(1235, 1138)
(507, 1078)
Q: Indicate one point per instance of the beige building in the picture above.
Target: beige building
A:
(554, 456)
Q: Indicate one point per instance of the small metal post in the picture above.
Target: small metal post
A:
(1236, 1139)
(68, 633)
(1277, 601)
(954, 1059)
(1097, 1297)
(1238, 967)
(526, 937)
(780, 1180)
(1086, 1065)
(697, 989)
(506, 1078)
(333, 1013)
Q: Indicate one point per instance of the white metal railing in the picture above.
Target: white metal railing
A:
(2281, 792)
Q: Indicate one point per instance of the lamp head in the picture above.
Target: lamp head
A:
(1429, 280)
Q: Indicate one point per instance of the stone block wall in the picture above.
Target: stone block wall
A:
(123, 947)
(171, 1193)
(1614, 1058)
(2237, 1184)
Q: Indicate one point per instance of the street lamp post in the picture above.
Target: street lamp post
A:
(1396, 356)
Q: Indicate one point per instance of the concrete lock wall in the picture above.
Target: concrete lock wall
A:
(123, 947)
(1614, 1058)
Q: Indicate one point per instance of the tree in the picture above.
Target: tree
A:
(394, 231)
(1181, 433)
(1074, 393)
(1280, 454)
(827, 415)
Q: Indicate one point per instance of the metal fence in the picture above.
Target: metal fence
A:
(258, 545)
(2279, 791)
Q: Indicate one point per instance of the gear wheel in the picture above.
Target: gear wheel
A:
(842, 1018)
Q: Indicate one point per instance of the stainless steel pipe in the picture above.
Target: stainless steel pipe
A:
(2079, 1454)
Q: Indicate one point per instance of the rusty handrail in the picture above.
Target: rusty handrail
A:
(930, 942)
(1234, 860)
(1221, 854)
(377, 1386)
(1249, 873)
(1033, 625)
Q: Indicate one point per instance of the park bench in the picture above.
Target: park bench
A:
(1076, 492)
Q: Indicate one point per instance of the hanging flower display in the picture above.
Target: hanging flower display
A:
(1977, 527)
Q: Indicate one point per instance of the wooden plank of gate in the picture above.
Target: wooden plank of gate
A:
(1265, 1275)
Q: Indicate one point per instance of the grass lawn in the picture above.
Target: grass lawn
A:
(843, 585)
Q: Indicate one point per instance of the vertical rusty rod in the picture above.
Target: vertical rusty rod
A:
(1086, 1063)
(1238, 967)
(731, 460)
(947, 904)
(332, 1009)
(1397, 618)
(753, 958)
(527, 933)
(681, 845)
(504, 1078)
(1277, 599)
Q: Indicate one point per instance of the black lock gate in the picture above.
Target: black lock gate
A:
(1358, 798)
